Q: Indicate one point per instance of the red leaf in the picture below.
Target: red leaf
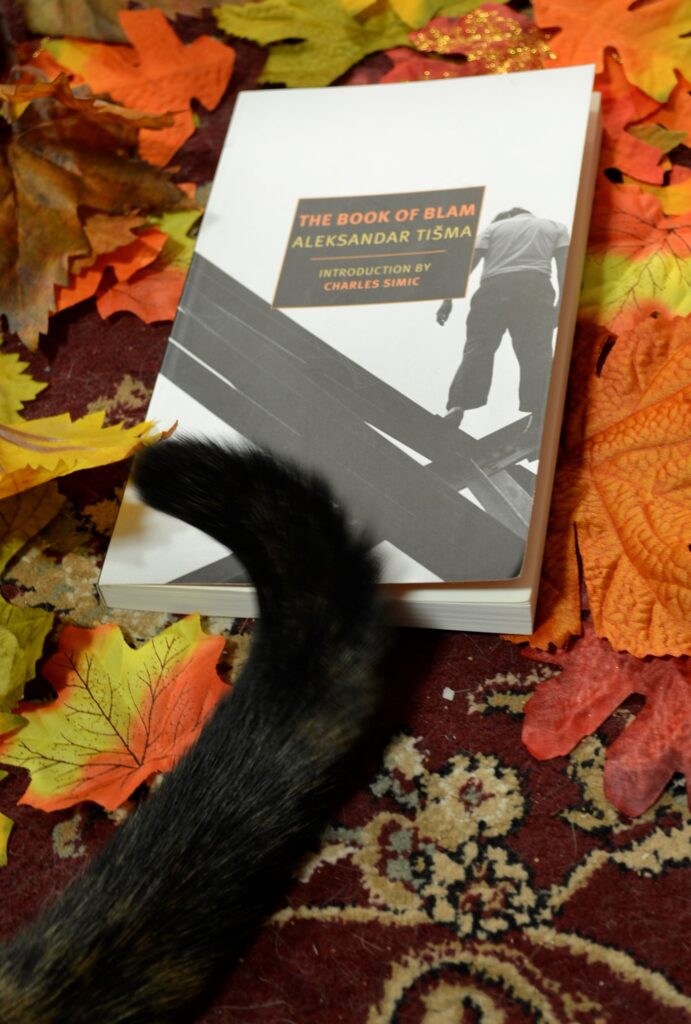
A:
(409, 66)
(657, 744)
(493, 38)
(595, 680)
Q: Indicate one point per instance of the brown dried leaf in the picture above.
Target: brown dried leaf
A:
(64, 156)
(94, 19)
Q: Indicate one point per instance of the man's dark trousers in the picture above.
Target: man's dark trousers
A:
(522, 303)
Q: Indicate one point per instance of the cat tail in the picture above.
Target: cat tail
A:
(279, 521)
(186, 881)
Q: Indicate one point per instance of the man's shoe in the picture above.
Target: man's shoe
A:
(454, 416)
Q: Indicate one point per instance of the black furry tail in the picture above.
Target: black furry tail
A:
(140, 935)
(280, 522)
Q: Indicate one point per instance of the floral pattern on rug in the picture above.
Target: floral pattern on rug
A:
(440, 862)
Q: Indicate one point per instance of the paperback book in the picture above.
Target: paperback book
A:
(384, 288)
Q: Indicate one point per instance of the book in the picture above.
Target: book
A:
(364, 247)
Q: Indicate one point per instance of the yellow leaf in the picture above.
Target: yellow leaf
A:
(414, 13)
(35, 451)
(16, 387)
(7, 722)
(674, 198)
(618, 292)
(355, 7)
(9, 648)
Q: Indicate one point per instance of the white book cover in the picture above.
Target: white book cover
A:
(314, 319)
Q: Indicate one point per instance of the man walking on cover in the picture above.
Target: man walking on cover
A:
(515, 295)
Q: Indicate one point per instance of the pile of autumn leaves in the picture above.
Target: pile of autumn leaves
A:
(621, 513)
(89, 213)
(90, 128)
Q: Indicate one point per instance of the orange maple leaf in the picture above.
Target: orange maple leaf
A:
(595, 680)
(152, 295)
(622, 105)
(158, 73)
(622, 494)
(676, 113)
(120, 714)
(649, 37)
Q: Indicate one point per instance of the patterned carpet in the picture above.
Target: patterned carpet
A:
(461, 881)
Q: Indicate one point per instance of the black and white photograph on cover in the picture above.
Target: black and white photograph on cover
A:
(406, 479)
(358, 390)
(519, 251)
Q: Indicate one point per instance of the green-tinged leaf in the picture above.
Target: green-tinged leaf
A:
(7, 723)
(270, 21)
(178, 250)
(23, 633)
(618, 291)
(330, 39)
(9, 651)
(120, 715)
(16, 386)
(639, 259)
(6, 826)
(355, 7)
(23, 515)
(22, 630)
(461, 7)
(658, 136)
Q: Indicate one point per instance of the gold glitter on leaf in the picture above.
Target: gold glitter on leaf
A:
(498, 39)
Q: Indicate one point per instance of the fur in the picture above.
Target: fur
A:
(140, 935)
